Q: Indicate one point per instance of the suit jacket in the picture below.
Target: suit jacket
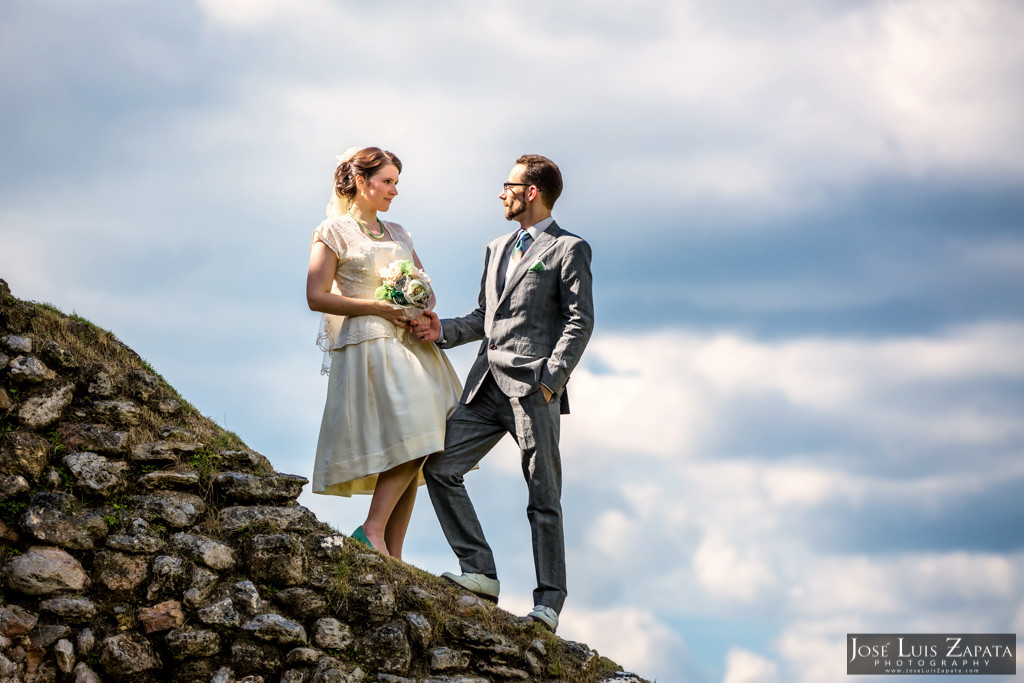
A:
(535, 331)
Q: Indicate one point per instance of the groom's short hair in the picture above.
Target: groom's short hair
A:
(544, 174)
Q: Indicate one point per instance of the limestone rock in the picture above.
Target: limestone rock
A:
(72, 610)
(118, 571)
(251, 488)
(302, 656)
(277, 558)
(176, 508)
(57, 356)
(64, 652)
(419, 629)
(164, 451)
(504, 672)
(15, 343)
(93, 438)
(203, 583)
(100, 385)
(221, 613)
(170, 479)
(83, 674)
(45, 409)
(12, 487)
(120, 412)
(213, 554)
(161, 617)
(96, 473)
(168, 576)
(86, 642)
(5, 399)
(302, 602)
(143, 384)
(16, 621)
(24, 453)
(446, 659)
(276, 629)
(44, 570)
(470, 604)
(223, 675)
(245, 460)
(45, 635)
(477, 637)
(51, 518)
(247, 597)
(30, 370)
(331, 634)
(168, 406)
(387, 649)
(297, 518)
(185, 644)
(250, 658)
(127, 655)
(330, 670)
(139, 544)
(376, 601)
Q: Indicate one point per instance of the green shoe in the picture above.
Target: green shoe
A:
(359, 536)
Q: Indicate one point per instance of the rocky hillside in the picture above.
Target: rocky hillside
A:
(141, 542)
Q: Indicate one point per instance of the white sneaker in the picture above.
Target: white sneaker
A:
(546, 616)
(478, 584)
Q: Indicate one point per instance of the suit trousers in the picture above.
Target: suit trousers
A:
(472, 431)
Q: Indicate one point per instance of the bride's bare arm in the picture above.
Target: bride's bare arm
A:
(323, 263)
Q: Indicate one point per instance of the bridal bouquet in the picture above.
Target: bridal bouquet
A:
(405, 286)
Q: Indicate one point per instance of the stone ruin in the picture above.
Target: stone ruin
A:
(141, 542)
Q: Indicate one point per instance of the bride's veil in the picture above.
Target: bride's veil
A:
(330, 324)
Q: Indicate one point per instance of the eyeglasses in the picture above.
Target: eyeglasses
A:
(505, 186)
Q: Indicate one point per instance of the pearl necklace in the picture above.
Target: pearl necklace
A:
(366, 230)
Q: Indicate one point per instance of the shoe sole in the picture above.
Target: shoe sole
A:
(483, 596)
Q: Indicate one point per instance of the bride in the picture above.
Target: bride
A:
(388, 395)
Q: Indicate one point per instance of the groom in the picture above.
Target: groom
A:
(535, 316)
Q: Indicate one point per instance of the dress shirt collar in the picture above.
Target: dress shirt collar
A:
(537, 228)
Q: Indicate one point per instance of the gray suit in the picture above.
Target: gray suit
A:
(533, 332)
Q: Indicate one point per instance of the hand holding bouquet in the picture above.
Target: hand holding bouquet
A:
(404, 286)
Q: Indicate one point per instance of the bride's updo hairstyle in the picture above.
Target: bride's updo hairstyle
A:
(355, 162)
(366, 162)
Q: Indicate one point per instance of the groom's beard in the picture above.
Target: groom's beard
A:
(514, 209)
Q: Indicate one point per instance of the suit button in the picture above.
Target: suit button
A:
(494, 347)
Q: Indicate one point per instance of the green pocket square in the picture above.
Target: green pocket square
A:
(538, 266)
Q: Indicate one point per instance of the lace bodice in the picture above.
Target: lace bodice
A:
(360, 259)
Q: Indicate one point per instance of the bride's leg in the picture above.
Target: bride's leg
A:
(398, 524)
(391, 487)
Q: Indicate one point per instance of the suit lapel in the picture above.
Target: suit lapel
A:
(495, 276)
(544, 241)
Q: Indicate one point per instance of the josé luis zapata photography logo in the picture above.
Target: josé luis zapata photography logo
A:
(931, 653)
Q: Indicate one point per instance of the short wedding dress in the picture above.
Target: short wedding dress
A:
(388, 395)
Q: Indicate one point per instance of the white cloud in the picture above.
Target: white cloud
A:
(730, 571)
(250, 14)
(631, 636)
(743, 666)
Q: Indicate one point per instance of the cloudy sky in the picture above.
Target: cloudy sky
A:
(800, 415)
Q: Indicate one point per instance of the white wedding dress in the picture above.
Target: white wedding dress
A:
(388, 394)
